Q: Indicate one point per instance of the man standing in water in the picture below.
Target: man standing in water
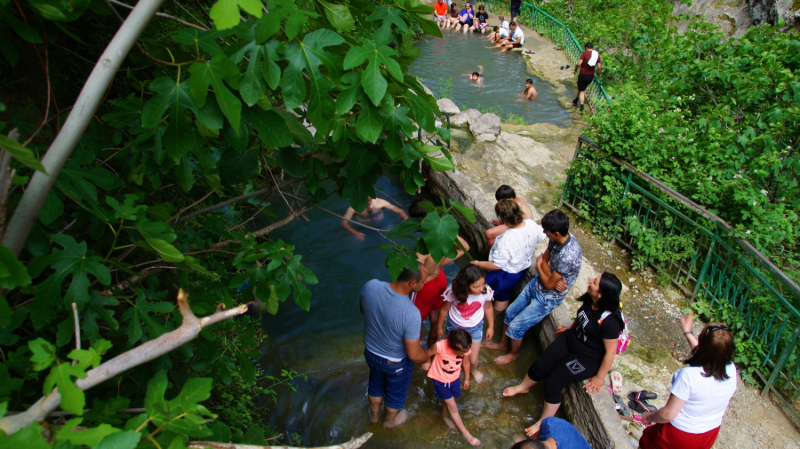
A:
(588, 63)
(372, 214)
(429, 300)
(529, 93)
(391, 341)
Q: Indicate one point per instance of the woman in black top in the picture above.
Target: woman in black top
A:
(584, 350)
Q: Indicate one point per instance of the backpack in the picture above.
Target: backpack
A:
(624, 337)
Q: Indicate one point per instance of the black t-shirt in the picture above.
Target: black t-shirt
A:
(516, 3)
(482, 17)
(586, 338)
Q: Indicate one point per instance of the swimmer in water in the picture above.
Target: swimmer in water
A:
(373, 213)
(529, 92)
(476, 76)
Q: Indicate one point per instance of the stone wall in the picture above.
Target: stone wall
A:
(593, 415)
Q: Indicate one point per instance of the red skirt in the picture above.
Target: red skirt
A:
(665, 436)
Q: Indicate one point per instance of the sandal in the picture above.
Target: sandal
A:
(641, 406)
(640, 395)
(616, 382)
(622, 409)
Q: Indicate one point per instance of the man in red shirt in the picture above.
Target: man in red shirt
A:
(440, 12)
(587, 64)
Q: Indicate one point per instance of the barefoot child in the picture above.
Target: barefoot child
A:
(467, 302)
(445, 370)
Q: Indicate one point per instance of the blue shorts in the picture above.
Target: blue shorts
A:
(503, 282)
(447, 390)
(389, 380)
(475, 331)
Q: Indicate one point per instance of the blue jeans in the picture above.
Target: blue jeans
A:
(389, 380)
(527, 310)
(475, 331)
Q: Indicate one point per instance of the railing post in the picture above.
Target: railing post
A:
(706, 263)
(781, 363)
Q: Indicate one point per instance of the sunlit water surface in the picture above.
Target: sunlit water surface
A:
(331, 406)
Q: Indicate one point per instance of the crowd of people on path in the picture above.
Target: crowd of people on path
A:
(462, 322)
(508, 36)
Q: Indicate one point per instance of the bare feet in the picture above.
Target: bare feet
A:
(425, 366)
(533, 431)
(513, 391)
(473, 441)
(506, 359)
(399, 419)
(373, 416)
(478, 376)
(493, 345)
(449, 422)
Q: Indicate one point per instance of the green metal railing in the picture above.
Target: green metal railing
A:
(560, 34)
(725, 272)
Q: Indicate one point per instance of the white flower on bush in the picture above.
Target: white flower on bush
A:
(764, 192)
(755, 203)
(748, 232)
(691, 140)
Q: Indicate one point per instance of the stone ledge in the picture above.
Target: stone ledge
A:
(594, 415)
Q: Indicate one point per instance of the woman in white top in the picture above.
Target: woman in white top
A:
(700, 393)
(512, 252)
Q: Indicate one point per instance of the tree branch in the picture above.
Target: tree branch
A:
(161, 14)
(352, 444)
(278, 224)
(238, 198)
(188, 331)
(88, 101)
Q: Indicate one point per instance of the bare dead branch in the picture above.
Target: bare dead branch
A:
(161, 14)
(264, 231)
(352, 444)
(188, 331)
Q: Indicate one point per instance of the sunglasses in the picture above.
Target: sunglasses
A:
(716, 328)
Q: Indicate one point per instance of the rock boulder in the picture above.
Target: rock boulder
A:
(485, 124)
(447, 106)
(463, 119)
(486, 138)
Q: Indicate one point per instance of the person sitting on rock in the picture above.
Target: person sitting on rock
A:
(440, 13)
(502, 193)
(466, 18)
(452, 21)
(585, 350)
(516, 38)
(510, 257)
(553, 433)
(503, 22)
(482, 22)
(498, 33)
(557, 270)
(529, 92)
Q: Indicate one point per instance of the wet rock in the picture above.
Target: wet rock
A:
(447, 106)
(463, 118)
(524, 133)
(486, 138)
(485, 124)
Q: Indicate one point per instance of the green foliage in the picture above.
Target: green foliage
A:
(157, 196)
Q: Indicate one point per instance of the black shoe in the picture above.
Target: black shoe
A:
(562, 67)
(581, 108)
(575, 103)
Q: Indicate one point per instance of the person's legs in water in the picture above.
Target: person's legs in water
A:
(519, 304)
(503, 282)
(524, 318)
(388, 385)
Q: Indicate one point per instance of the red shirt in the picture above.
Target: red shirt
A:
(440, 8)
(586, 69)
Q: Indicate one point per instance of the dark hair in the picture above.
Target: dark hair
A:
(714, 351)
(407, 275)
(512, 24)
(505, 192)
(415, 211)
(529, 81)
(466, 277)
(589, 45)
(453, 6)
(480, 7)
(476, 73)
(495, 28)
(508, 211)
(556, 221)
(610, 289)
(529, 444)
(460, 339)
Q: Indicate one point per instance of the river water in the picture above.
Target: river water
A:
(331, 406)
(457, 54)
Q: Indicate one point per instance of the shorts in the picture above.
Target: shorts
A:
(515, 11)
(584, 81)
(480, 27)
(476, 332)
(389, 380)
(430, 297)
(503, 282)
(663, 436)
(516, 45)
(448, 390)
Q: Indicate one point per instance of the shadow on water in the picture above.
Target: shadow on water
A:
(331, 406)
(457, 54)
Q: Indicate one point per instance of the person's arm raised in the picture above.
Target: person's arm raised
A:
(415, 352)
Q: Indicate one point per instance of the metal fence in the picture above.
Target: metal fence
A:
(703, 258)
(560, 34)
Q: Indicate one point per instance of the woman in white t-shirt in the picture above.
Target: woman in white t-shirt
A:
(466, 303)
(700, 393)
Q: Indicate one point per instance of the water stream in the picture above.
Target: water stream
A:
(457, 54)
(331, 406)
